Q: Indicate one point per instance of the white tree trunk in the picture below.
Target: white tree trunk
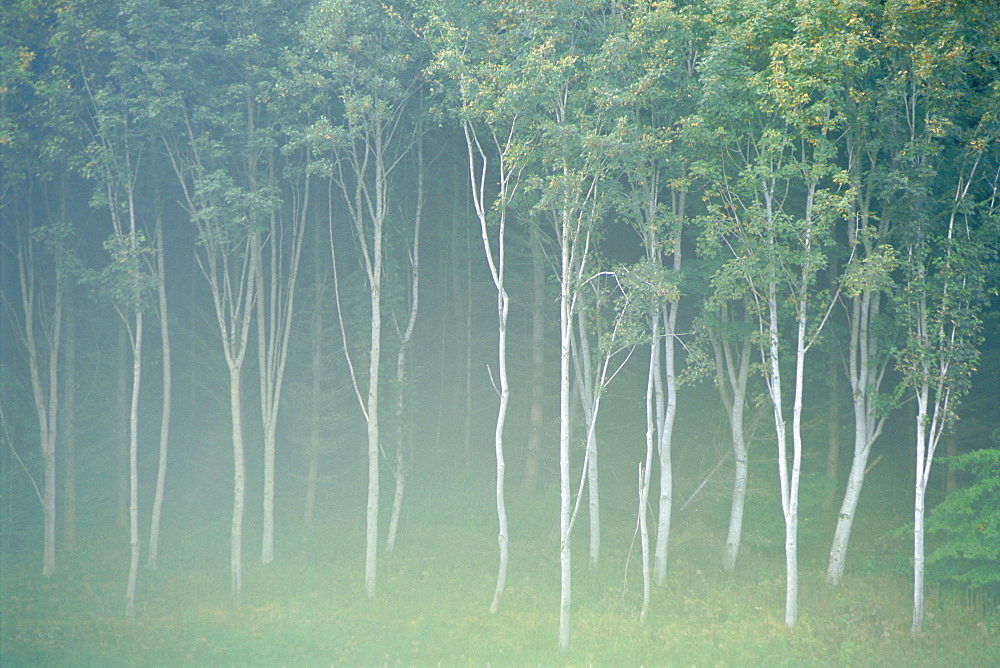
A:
(565, 493)
(277, 279)
(865, 375)
(317, 372)
(46, 407)
(161, 468)
(589, 391)
(845, 519)
(735, 373)
(497, 264)
(925, 442)
(772, 361)
(397, 502)
(646, 467)
(68, 429)
(792, 507)
(593, 498)
(374, 364)
(133, 465)
(665, 430)
(239, 483)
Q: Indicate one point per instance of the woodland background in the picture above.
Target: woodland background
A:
(691, 291)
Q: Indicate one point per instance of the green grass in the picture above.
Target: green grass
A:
(308, 608)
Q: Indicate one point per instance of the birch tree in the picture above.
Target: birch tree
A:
(867, 145)
(364, 55)
(779, 195)
(949, 248)
(483, 67)
(277, 277)
(39, 112)
(167, 378)
(403, 432)
(116, 135)
(573, 161)
(732, 348)
(647, 73)
(228, 223)
(39, 329)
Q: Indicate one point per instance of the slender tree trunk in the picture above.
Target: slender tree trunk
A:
(590, 400)
(593, 498)
(497, 265)
(46, 399)
(402, 377)
(371, 549)
(277, 279)
(399, 473)
(374, 366)
(239, 482)
(918, 556)
(69, 426)
(855, 480)
(133, 465)
(926, 442)
(771, 360)
(122, 422)
(161, 469)
(565, 500)
(503, 303)
(665, 431)
(645, 468)
(319, 284)
(865, 375)
(733, 373)
(792, 508)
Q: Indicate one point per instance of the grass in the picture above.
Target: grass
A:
(308, 608)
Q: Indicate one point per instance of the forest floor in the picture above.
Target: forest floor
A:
(431, 606)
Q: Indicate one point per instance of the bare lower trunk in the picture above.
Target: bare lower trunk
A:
(161, 469)
(792, 507)
(845, 519)
(865, 373)
(788, 506)
(317, 373)
(311, 480)
(49, 512)
(665, 430)
(239, 486)
(594, 501)
(267, 534)
(68, 430)
(371, 543)
(740, 476)
(733, 369)
(397, 503)
(927, 434)
(918, 556)
(646, 467)
(133, 467)
(122, 440)
(502, 540)
(565, 500)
